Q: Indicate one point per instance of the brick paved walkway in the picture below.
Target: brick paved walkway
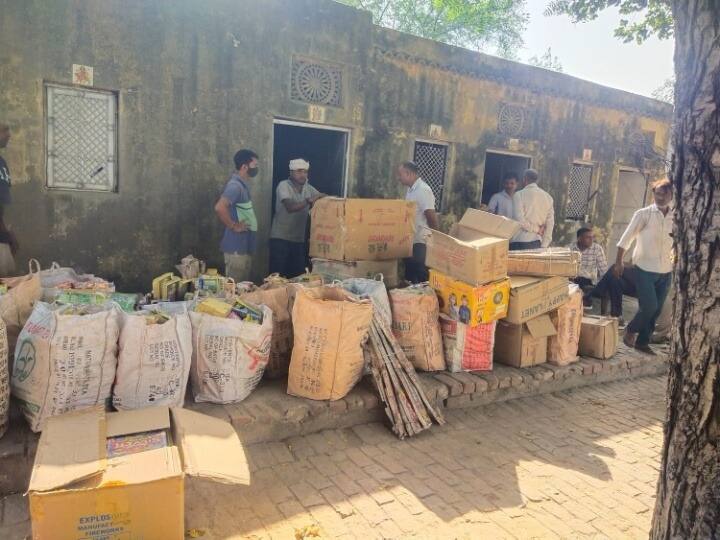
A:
(576, 464)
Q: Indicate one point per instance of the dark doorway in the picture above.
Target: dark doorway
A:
(496, 166)
(325, 149)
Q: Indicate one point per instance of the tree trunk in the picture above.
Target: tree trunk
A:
(688, 493)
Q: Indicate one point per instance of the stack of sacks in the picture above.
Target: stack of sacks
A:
(469, 275)
(360, 238)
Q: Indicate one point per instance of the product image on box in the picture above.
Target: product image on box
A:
(471, 304)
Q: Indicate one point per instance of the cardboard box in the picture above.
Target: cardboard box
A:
(476, 250)
(544, 262)
(362, 229)
(598, 337)
(523, 345)
(339, 270)
(121, 475)
(533, 296)
(467, 348)
(471, 304)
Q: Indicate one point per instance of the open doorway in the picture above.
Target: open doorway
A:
(325, 149)
(497, 164)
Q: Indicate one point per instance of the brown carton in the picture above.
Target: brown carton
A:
(362, 229)
(523, 345)
(544, 262)
(339, 270)
(598, 337)
(476, 250)
(121, 475)
(533, 296)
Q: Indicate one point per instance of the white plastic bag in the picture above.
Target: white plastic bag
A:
(153, 362)
(374, 290)
(229, 356)
(64, 361)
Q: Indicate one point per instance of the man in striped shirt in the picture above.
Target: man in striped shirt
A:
(593, 263)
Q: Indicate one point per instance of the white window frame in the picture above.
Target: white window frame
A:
(109, 165)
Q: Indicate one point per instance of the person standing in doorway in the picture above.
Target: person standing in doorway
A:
(502, 202)
(535, 211)
(651, 229)
(293, 199)
(426, 218)
(235, 210)
(8, 242)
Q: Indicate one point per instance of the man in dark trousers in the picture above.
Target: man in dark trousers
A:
(8, 242)
(293, 199)
(235, 210)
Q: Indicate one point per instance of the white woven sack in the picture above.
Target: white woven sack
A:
(64, 362)
(229, 356)
(153, 362)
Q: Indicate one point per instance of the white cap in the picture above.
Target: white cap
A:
(296, 164)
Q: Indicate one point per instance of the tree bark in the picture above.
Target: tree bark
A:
(688, 493)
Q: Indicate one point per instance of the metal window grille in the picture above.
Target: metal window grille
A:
(81, 138)
(431, 159)
(578, 192)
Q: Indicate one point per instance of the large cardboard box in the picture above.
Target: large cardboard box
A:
(121, 475)
(544, 262)
(361, 229)
(523, 345)
(476, 250)
(533, 296)
(598, 337)
(471, 304)
(339, 270)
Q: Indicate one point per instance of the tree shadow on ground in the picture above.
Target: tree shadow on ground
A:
(483, 460)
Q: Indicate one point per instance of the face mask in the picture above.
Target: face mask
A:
(253, 171)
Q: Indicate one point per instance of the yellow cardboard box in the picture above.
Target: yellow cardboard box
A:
(476, 250)
(362, 229)
(471, 304)
(121, 475)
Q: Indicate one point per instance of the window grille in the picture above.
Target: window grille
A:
(578, 192)
(431, 159)
(81, 138)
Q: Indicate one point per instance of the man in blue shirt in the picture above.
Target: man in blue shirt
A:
(235, 210)
(502, 202)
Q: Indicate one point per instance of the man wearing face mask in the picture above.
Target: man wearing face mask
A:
(650, 228)
(235, 210)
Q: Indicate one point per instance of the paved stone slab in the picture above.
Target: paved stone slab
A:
(575, 464)
(270, 414)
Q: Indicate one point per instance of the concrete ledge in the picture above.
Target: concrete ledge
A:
(270, 414)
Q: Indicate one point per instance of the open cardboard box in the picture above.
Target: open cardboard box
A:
(121, 475)
(523, 345)
(476, 250)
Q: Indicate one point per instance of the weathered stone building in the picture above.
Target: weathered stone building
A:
(119, 175)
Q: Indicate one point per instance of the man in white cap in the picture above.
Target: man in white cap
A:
(293, 199)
